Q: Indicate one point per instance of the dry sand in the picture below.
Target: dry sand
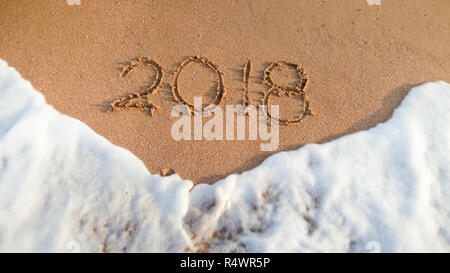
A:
(360, 61)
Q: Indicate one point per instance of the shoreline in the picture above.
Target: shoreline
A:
(360, 62)
(65, 188)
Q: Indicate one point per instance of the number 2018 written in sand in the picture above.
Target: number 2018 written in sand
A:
(141, 100)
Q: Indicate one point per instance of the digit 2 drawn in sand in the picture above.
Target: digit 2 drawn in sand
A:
(144, 103)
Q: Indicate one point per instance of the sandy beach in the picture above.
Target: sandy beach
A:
(118, 130)
(360, 61)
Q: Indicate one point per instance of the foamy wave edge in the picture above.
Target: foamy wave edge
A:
(65, 188)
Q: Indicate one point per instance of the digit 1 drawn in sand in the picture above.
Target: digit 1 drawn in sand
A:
(286, 91)
(127, 101)
(220, 85)
(245, 78)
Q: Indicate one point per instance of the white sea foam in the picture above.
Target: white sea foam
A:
(62, 185)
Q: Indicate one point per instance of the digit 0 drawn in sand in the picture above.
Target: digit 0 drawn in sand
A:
(286, 91)
(145, 104)
(220, 85)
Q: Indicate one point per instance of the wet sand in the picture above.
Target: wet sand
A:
(359, 61)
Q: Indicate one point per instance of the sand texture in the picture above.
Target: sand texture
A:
(120, 66)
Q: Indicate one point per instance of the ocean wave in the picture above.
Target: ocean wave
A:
(65, 188)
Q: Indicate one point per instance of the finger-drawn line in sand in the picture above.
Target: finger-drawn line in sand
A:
(286, 91)
(145, 104)
(299, 87)
(245, 78)
(275, 89)
(220, 85)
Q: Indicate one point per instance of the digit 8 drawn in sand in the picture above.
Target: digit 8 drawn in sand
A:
(220, 85)
(286, 91)
(126, 101)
